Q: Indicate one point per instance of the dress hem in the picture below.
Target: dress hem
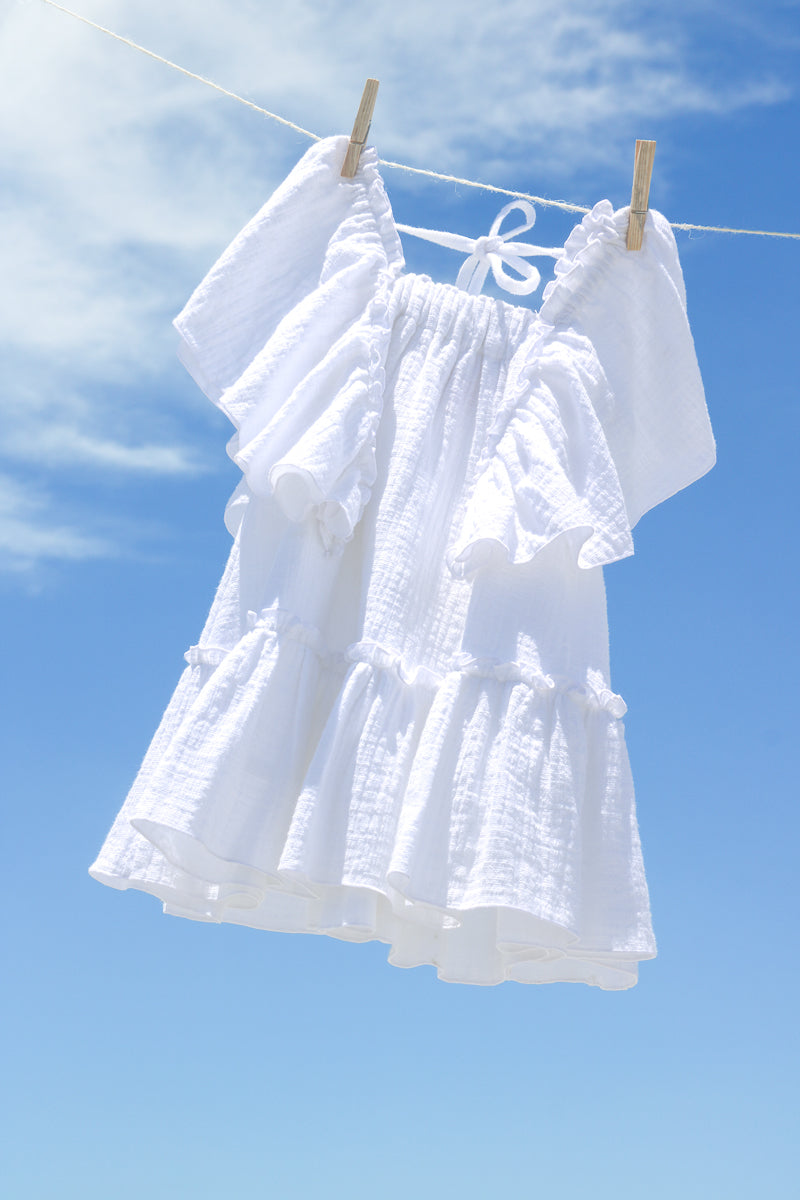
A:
(556, 958)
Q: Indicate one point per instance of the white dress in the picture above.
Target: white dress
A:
(398, 721)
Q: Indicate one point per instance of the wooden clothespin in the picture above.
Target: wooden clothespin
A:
(640, 193)
(360, 129)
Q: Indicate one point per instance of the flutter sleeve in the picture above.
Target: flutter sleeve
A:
(605, 414)
(287, 335)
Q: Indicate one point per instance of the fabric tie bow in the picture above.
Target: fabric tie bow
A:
(493, 252)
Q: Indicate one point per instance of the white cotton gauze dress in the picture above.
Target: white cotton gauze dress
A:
(398, 721)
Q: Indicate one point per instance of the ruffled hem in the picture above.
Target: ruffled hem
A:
(478, 551)
(478, 819)
(483, 945)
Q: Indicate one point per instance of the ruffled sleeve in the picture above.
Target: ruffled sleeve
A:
(604, 414)
(287, 335)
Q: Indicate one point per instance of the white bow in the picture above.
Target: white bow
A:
(493, 251)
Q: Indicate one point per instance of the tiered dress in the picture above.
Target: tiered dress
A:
(398, 721)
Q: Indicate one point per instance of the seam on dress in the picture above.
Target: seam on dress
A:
(385, 658)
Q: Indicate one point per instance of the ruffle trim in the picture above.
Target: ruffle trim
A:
(518, 545)
(584, 250)
(338, 506)
(359, 832)
(307, 409)
(525, 495)
(384, 658)
(589, 252)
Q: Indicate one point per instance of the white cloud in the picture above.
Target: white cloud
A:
(125, 178)
(31, 535)
(62, 446)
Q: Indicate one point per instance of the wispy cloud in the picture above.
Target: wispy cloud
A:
(65, 446)
(124, 179)
(32, 535)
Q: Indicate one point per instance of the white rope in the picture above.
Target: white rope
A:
(200, 78)
(486, 187)
(473, 183)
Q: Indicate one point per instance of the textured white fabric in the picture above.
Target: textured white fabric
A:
(398, 721)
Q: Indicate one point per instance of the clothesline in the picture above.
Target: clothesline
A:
(473, 183)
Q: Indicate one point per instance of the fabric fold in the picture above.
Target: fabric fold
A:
(391, 860)
(547, 470)
(630, 306)
(360, 745)
(600, 422)
(303, 387)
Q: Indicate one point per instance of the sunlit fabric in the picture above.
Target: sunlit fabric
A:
(398, 722)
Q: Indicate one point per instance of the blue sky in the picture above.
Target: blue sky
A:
(152, 1056)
